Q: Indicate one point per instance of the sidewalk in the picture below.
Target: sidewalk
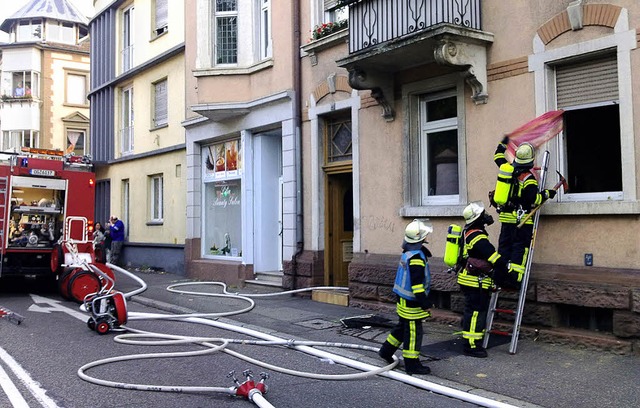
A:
(539, 374)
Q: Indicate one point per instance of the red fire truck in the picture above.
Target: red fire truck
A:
(40, 189)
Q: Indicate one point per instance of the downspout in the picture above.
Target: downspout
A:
(297, 117)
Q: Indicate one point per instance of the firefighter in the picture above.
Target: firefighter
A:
(475, 279)
(412, 284)
(524, 196)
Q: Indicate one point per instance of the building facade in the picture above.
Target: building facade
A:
(402, 114)
(45, 79)
(138, 145)
(242, 138)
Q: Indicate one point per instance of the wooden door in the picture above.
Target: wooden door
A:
(339, 229)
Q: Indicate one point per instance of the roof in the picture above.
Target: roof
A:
(61, 10)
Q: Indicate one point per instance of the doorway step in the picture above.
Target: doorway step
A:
(271, 279)
(331, 297)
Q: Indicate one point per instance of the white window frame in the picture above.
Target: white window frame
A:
(160, 103)
(215, 16)
(541, 62)
(85, 141)
(71, 88)
(61, 32)
(264, 29)
(156, 198)
(10, 80)
(126, 121)
(128, 40)
(33, 26)
(15, 139)
(126, 205)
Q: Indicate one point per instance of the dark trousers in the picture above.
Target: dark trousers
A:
(409, 333)
(474, 318)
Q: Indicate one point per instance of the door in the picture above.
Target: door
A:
(339, 229)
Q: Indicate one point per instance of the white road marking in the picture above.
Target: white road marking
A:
(17, 401)
(34, 387)
(55, 306)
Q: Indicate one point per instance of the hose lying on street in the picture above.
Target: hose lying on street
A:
(217, 344)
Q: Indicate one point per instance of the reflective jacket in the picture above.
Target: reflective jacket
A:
(412, 284)
(477, 245)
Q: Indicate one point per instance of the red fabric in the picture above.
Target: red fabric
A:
(536, 132)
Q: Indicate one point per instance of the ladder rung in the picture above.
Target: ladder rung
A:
(500, 332)
(507, 311)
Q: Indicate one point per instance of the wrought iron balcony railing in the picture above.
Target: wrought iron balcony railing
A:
(373, 22)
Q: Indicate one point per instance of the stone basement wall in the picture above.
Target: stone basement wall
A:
(371, 278)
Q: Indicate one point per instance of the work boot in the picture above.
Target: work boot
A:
(414, 366)
(479, 352)
(386, 352)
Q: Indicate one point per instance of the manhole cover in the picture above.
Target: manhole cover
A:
(318, 324)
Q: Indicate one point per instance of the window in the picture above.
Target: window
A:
(126, 127)
(155, 198)
(29, 30)
(77, 89)
(160, 113)
(438, 142)
(21, 84)
(265, 29)
(15, 139)
(225, 21)
(62, 32)
(127, 39)
(126, 201)
(222, 226)
(333, 12)
(77, 142)
(161, 17)
(588, 92)
(338, 138)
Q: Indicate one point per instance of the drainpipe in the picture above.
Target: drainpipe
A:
(297, 115)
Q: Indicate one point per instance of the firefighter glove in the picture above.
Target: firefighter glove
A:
(505, 140)
(549, 194)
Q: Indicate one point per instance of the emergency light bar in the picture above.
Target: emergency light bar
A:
(50, 152)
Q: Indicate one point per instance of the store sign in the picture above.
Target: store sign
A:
(226, 196)
(41, 172)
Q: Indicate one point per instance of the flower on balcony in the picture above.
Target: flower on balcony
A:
(324, 29)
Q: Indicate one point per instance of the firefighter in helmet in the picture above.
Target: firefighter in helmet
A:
(412, 284)
(524, 196)
(475, 279)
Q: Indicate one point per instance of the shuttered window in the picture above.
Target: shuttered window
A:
(330, 4)
(161, 113)
(162, 14)
(588, 82)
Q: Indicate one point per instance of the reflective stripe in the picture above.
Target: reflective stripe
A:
(393, 341)
(494, 257)
(418, 262)
(471, 281)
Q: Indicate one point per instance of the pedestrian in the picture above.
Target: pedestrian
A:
(412, 284)
(98, 242)
(116, 232)
(475, 279)
(107, 244)
(524, 196)
(19, 91)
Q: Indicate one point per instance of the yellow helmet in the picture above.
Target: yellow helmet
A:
(525, 154)
(417, 231)
(473, 211)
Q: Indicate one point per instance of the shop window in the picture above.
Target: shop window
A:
(222, 226)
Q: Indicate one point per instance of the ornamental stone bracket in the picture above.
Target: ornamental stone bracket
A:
(381, 86)
(472, 58)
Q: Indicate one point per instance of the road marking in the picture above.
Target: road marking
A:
(17, 401)
(55, 306)
(34, 387)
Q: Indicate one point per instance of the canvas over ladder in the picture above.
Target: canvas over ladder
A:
(493, 303)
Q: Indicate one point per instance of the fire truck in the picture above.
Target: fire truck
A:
(46, 198)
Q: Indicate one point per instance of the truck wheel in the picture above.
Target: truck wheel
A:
(63, 283)
(57, 256)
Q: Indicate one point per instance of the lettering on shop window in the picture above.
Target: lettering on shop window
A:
(225, 197)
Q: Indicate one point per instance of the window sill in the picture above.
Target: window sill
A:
(329, 41)
(444, 210)
(268, 63)
(75, 105)
(592, 208)
(154, 223)
(151, 129)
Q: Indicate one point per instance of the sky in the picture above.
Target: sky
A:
(8, 7)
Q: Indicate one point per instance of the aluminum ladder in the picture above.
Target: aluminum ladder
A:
(493, 303)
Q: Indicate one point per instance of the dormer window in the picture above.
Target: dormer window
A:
(62, 32)
(29, 30)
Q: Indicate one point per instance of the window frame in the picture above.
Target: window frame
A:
(128, 39)
(86, 148)
(413, 94)
(126, 129)
(36, 22)
(264, 33)
(622, 41)
(22, 134)
(215, 17)
(68, 85)
(160, 19)
(156, 198)
(164, 104)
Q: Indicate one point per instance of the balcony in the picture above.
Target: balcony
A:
(388, 36)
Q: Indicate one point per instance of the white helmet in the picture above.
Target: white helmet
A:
(473, 211)
(525, 154)
(417, 231)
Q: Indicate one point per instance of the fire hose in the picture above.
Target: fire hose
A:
(249, 389)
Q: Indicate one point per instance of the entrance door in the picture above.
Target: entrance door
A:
(339, 229)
